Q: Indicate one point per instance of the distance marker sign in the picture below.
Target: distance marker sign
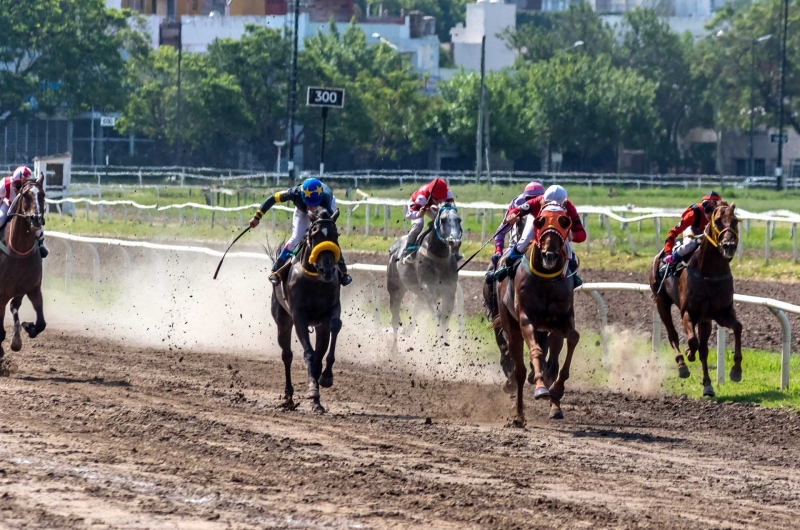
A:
(325, 97)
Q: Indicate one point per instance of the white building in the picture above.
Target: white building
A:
(490, 19)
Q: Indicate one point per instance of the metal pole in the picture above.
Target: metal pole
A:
(752, 103)
(479, 132)
(322, 148)
(786, 328)
(178, 142)
(779, 167)
(293, 88)
(656, 333)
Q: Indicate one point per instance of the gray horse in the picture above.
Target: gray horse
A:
(432, 274)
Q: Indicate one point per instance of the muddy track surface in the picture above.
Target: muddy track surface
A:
(104, 435)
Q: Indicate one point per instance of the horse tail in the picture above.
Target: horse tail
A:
(496, 324)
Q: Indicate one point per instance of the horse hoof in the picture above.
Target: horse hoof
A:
(517, 423)
(736, 377)
(531, 378)
(683, 372)
(541, 393)
(326, 381)
(318, 409)
(690, 356)
(16, 343)
(708, 391)
(556, 413)
(288, 404)
(510, 387)
(30, 329)
(554, 394)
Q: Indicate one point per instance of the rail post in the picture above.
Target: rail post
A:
(603, 311)
(366, 217)
(349, 219)
(786, 328)
(126, 258)
(610, 237)
(630, 239)
(95, 272)
(656, 333)
(747, 227)
(460, 311)
(483, 225)
(794, 242)
(385, 222)
(376, 311)
(657, 226)
(766, 244)
(720, 355)
(67, 267)
(585, 222)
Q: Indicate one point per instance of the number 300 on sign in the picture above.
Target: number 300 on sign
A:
(325, 97)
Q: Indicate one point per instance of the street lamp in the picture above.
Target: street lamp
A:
(576, 44)
(384, 41)
(753, 42)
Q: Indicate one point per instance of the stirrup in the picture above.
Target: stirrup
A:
(275, 279)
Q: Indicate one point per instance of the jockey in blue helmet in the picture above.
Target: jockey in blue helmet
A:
(310, 194)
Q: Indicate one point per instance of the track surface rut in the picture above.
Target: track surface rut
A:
(101, 434)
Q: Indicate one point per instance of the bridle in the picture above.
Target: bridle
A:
(320, 247)
(552, 227)
(713, 234)
(437, 221)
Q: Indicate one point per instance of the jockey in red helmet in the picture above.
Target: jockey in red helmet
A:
(693, 222)
(8, 192)
(427, 197)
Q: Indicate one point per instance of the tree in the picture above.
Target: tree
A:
(662, 56)
(259, 62)
(725, 64)
(508, 133)
(60, 54)
(550, 33)
(582, 104)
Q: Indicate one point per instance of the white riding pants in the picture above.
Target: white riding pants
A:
(689, 241)
(417, 224)
(300, 225)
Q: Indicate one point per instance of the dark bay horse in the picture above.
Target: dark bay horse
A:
(539, 299)
(20, 262)
(308, 297)
(703, 292)
(433, 274)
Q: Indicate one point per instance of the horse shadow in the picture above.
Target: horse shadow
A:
(624, 436)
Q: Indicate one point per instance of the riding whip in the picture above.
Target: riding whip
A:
(479, 250)
(229, 247)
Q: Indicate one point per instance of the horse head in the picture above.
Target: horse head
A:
(552, 230)
(448, 228)
(723, 230)
(29, 204)
(323, 243)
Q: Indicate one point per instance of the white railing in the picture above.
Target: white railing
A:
(778, 308)
(373, 205)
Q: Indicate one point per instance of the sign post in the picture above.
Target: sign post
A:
(326, 98)
(782, 138)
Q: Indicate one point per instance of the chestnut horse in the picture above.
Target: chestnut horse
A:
(20, 262)
(539, 299)
(308, 297)
(703, 292)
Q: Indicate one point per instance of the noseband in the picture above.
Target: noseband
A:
(320, 247)
(713, 234)
(437, 222)
(552, 227)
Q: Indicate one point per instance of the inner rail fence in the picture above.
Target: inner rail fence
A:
(187, 176)
(594, 290)
(386, 218)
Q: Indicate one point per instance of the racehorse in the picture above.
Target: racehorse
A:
(308, 297)
(703, 292)
(21, 263)
(432, 274)
(539, 299)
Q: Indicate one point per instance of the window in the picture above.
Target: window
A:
(796, 168)
(743, 167)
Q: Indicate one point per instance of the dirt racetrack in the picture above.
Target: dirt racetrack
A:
(101, 434)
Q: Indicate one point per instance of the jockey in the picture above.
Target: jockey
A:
(693, 222)
(8, 192)
(431, 195)
(553, 196)
(532, 190)
(310, 194)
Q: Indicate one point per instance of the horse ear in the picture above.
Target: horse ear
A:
(335, 215)
(40, 180)
(539, 222)
(564, 221)
(733, 207)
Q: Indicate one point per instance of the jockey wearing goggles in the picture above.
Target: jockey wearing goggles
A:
(427, 198)
(693, 223)
(532, 190)
(8, 192)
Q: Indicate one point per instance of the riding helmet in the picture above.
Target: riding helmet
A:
(312, 192)
(534, 189)
(21, 173)
(555, 194)
(439, 189)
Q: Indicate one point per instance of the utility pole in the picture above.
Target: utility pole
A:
(781, 179)
(178, 143)
(481, 102)
(293, 90)
(752, 104)
(486, 146)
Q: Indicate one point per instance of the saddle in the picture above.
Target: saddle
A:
(502, 270)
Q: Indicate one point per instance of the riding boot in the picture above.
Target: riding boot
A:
(280, 262)
(573, 268)
(43, 252)
(408, 253)
(509, 267)
(344, 278)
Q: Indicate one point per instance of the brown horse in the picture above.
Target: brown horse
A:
(539, 299)
(308, 297)
(20, 262)
(703, 292)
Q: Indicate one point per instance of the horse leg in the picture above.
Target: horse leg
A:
(664, 312)
(447, 302)
(3, 371)
(309, 355)
(557, 390)
(396, 292)
(32, 329)
(554, 342)
(529, 334)
(516, 347)
(730, 321)
(704, 332)
(326, 380)
(691, 337)
(16, 340)
(284, 322)
(543, 339)
(323, 333)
